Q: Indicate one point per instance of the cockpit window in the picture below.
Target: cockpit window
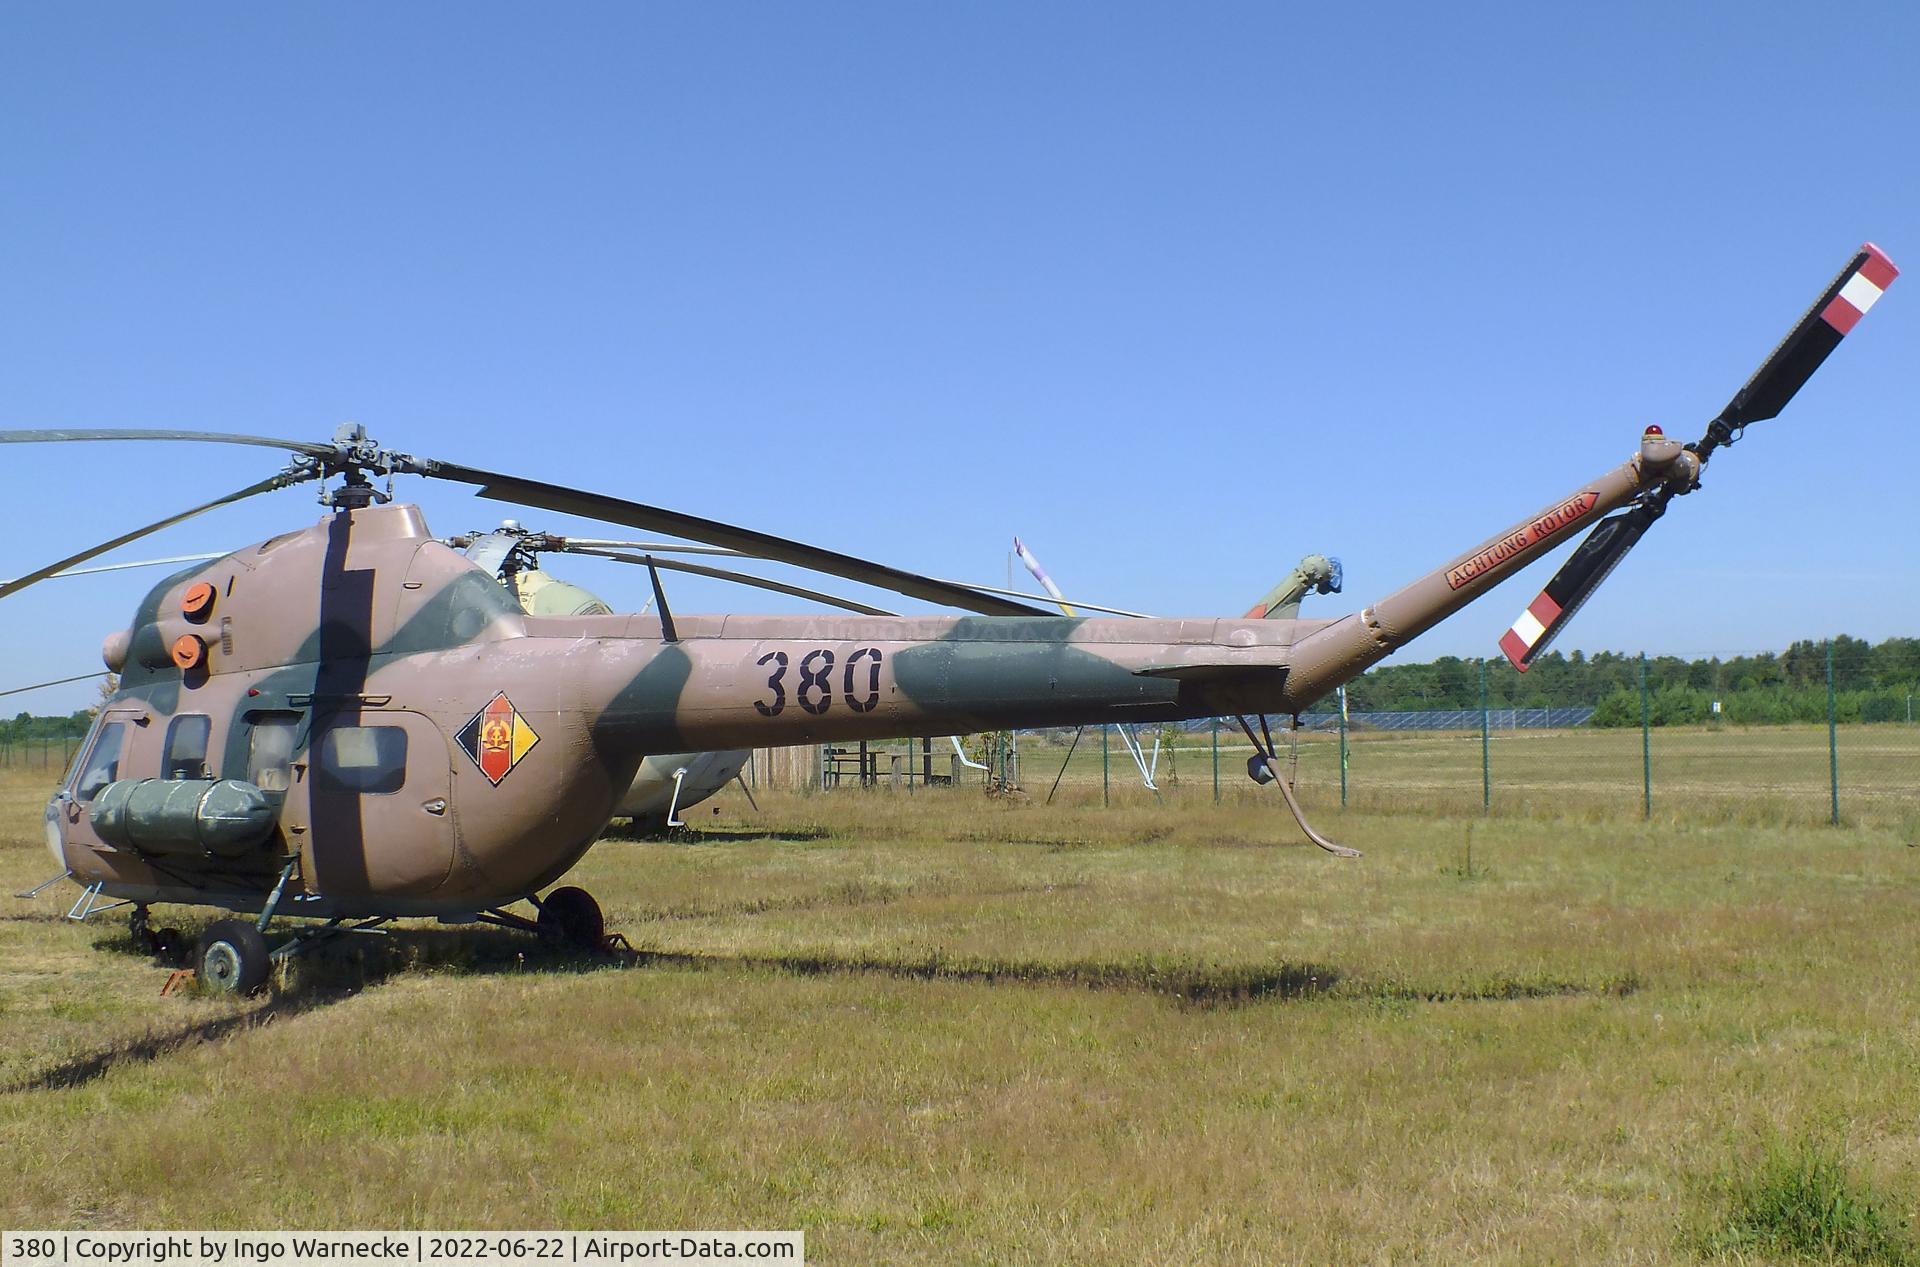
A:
(103, 761)
(187, 747)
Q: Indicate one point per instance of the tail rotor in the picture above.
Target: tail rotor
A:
(1812, 339)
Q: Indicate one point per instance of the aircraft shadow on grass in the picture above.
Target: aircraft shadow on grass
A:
(349, 966)
(709, 835)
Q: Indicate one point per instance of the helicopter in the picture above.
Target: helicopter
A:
(353, 722)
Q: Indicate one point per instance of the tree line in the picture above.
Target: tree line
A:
(26, 728)
(1872, 682)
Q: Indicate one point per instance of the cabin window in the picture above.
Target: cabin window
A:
(368, 759)
(270, 750)
(187, 747)
(103, 761)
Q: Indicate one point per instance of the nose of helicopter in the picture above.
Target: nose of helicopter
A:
(56, 839)
(113, 650)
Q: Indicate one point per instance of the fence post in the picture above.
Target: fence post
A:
(1103, 764)
(1486, 746)
(1343, 747)
(1833, 742)
(1646, 746)
(1216, 760)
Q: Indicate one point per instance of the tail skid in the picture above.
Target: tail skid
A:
(1263, 760)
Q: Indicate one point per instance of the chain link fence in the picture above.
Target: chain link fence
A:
(1701, 742)
(50, 753)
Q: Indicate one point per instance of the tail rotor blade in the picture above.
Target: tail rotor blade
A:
(1832, 317)
(1574, 584)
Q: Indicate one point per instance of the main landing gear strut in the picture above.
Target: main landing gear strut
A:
(567, 917)
(1263, 768)
(168, 945)
(233, 956)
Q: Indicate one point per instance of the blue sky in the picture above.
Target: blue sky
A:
(1177, 293)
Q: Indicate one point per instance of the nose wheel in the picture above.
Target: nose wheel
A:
(168, 945)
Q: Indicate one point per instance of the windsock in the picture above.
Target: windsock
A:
(1040, 575)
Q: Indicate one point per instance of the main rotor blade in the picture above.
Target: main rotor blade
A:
(1076, 603)
(281, 480)
(1574, 584)
(647, 547)
(573, 501)
(41, 686)
(720, 574)
(149, 433)
(1832, 317)
(137, 563)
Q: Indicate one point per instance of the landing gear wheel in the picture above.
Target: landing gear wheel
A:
(570, 917)
(233, 957)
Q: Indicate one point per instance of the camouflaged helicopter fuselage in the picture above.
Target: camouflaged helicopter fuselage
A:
(519, 734)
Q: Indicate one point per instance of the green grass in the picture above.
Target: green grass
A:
(1803, 1202)
(942, 1028)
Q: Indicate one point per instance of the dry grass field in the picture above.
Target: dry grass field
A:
(951, 1029)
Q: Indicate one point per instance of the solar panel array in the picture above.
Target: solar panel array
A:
(1455, 719)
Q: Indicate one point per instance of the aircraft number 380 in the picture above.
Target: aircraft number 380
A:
(814, 688)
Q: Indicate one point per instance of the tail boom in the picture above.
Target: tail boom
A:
(1348, 647)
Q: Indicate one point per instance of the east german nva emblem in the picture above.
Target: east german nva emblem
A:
(496, 738)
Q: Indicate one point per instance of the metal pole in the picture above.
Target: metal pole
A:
(1343, 747)
(1216, 759)
(1104, 782)
(1646, 746)
(1486, 747)
(1833, 741)
(1063, 764)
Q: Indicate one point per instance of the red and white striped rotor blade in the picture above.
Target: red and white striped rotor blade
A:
(1573, 585)
(1832, 317)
